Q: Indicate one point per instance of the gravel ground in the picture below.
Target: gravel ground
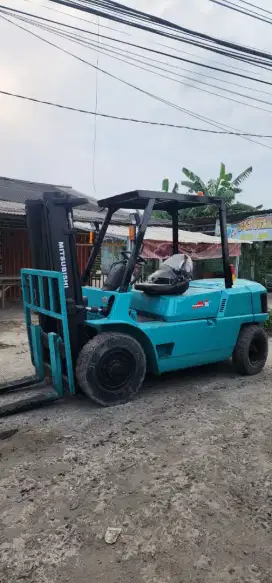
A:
(184, 472)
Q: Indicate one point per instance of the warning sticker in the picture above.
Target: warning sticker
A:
(201, 304)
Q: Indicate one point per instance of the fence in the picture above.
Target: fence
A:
(98, 279)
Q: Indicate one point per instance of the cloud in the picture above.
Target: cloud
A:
(51, 145)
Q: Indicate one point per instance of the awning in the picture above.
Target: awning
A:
(158, 242)
(198, 252)
(164, 234)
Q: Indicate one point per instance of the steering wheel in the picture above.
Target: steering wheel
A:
(140, 261)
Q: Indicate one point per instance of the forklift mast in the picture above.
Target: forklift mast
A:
(53, 248)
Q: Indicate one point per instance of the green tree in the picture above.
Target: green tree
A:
(225, 187)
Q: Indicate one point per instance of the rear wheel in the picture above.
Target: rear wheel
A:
(111, 368)
(250, 353)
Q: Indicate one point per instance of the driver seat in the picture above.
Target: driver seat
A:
(158, 289)
(115, 276)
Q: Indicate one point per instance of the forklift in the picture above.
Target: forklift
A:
(102, 342)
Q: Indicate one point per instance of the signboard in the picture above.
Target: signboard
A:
(257, 228)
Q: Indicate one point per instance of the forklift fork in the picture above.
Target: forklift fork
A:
(43, 296)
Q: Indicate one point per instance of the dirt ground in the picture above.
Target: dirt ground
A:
(185, 473)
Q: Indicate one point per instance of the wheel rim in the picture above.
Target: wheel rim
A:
(115, 369)
(256, 351)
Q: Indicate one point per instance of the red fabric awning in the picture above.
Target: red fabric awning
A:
(198, 252)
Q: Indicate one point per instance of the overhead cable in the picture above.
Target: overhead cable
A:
(132, 119)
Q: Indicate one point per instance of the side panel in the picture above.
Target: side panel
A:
(182, 344)
(194, 343)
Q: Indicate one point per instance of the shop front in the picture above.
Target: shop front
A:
(256, 260)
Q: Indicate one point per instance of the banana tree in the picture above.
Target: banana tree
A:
(224, 186)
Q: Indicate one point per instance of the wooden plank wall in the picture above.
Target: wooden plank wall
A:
(16, 253)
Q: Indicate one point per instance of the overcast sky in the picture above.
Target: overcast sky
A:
(39, 143)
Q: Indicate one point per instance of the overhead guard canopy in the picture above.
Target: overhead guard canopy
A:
(138, 199)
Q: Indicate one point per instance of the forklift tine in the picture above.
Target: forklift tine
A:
(28, 404)
(18, 385)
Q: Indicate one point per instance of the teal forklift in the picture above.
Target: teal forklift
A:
(102, 342)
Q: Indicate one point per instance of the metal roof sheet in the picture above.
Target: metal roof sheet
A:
(18, 191)
(12, 208)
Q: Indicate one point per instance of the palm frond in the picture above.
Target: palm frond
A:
(188, 184)
(239, 179)
(193, 177)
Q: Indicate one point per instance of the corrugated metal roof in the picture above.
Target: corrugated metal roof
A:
(11, 208)
(14, 193)
(17, 208)
(18, 191)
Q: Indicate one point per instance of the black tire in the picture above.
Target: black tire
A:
(111, 368)
(251, 350)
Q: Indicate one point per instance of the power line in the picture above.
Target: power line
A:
(96, 106)
(251, 58)
(242, 10)
(126, 15)
(108, 50)
(254, 6)
(76, 17)
(177, 68)
(115, 10)
(130, 119)
(120, 31)
(131, 85)
(13, 12)
(147, 49)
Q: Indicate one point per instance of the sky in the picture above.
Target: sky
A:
(44, 144)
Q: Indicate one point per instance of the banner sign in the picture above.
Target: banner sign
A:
(257, 228)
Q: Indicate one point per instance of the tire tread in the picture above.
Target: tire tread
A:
(89, 350)
(240, 355)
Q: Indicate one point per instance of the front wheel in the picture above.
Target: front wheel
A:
(251, 351)
(111, 368)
